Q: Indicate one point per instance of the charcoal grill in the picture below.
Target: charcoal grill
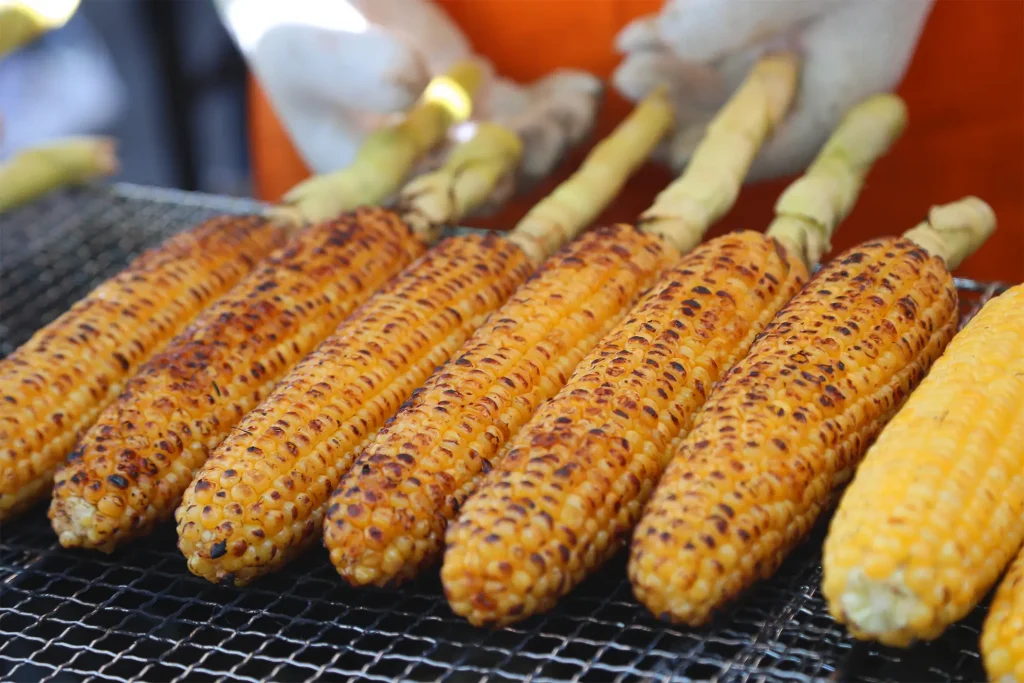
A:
(139, 615)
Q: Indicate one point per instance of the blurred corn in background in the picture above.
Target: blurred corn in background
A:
(160, 77)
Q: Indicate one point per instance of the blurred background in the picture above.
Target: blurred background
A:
(165, 80)
(162, 76)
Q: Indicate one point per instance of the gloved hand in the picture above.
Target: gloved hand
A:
(336, 70)
(702, 49)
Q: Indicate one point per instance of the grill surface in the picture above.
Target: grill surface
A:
(140, 615)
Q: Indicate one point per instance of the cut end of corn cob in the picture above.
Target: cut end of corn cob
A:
(387, 518)
(261, 498)
(574, 480)
(882, 610)
(54, 386)
(933, 516)
(130, 469)
(1002, 636)
(788, 425)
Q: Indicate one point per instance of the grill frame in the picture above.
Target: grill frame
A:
(138, 614)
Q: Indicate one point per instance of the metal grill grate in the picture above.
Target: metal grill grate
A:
(139, 615)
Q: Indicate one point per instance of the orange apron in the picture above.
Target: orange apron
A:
(964, 90)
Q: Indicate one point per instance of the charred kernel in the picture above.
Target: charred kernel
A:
(218, 549)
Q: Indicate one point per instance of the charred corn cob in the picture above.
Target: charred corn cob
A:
(934, 513)
(786, 426)
(387, 519)
(262, 497)
(1002, 636)
(55, 385)
(65, 162)
(573, 483)
(130, 469)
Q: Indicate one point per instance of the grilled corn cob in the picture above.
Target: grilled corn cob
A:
(786, 426)
(65, 162)
(55, 385)
(261, 499)
(387, 519)
(1002, 636)
(934, 513)
(130, 469)
(574, 481)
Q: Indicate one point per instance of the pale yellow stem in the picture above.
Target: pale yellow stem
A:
(574, 204)
(462, 183)
(808, 213)
(955, 231)
(71, 161)
(23, 21)
(684, 211)
(388, 154)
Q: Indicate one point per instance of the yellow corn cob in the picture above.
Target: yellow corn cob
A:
(786, 427)
(934, 514)
(1002, 636)
(131, 468)
(262, 498)
(34, 171)
(576, 477)
(55, 385)
(410, 483)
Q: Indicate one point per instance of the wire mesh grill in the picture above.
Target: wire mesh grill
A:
(138, 614)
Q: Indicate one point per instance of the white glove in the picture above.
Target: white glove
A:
(702, 50)
(334, 70)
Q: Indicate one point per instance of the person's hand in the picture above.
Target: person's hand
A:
(334, 71)
(702, 50)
